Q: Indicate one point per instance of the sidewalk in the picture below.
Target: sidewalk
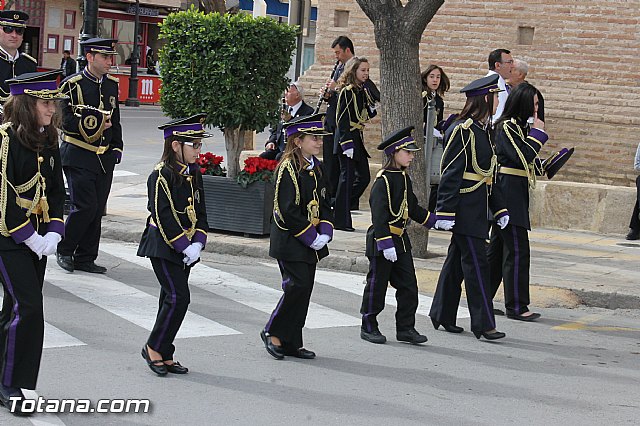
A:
(567, 269)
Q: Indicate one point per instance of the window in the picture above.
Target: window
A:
(341, 18)
(67, 44)
(70, 19)
(52, 43)
(525, 35)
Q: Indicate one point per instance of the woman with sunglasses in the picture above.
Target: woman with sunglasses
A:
(31, 226)
(12, 62)
(175, 234)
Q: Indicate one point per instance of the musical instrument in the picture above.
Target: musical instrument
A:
(284, 111)
(324, 92)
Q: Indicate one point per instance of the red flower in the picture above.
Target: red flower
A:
(210, 164)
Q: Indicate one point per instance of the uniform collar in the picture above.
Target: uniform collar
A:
(184, 169)
(87, 74)
(309, 163)
(7, 57)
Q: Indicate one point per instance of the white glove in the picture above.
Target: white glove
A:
(37, 244)
(390, 254)
(503, 221)
(192, 253)
(52, 239)
(319, 242)
(348, 152)
(444, 225)
(437, 133)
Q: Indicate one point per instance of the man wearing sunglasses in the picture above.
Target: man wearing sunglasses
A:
(12, 62)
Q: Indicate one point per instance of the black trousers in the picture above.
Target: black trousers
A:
(635, 216)
(21, 318)
(509, 259)
(354, 178)
(466, 260)
(288, 318)
(331, 164)
(173, 303)
(89, 192)
(401, 275)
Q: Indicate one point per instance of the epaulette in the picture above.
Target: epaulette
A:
(467, 124)
(159, 166)
(35, 61)
(73, 78)
(349, 87)
(112, 78)
(380, 173)
(425, 94)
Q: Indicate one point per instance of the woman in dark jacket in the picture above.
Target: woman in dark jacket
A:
(301, 228)
(31, 208)
(175, 234)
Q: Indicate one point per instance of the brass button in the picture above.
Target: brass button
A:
(311, 173)
(40, 159)
(190, 199)
(189, 178)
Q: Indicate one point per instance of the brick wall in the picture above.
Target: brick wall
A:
(584, 57)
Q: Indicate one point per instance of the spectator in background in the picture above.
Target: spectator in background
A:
(518, 75)
(151, 62)
(634, 226)
(67, 65)
(501, 63)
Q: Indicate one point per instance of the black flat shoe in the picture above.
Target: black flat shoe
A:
(6, 394)
(65, 262)
(526, 318)
(346, 229)
(301, 353)
(633, 235)
(489, 336)
(374, 337)
(274, 351)
(157, 366)
(411, 336)
(90, 267)
(447, 327)
(176, 368)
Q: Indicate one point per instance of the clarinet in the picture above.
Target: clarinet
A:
(324, 92)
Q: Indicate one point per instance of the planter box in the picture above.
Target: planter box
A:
(231, 207)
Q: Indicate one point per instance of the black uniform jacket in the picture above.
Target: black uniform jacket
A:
(19, 167)
(276, 134)
(352, 113)
(84, 88)
(10, 69)
(301, 212)
(464, 194)
(517, 147)
(439, 106)
(392, 202)
(183, 189)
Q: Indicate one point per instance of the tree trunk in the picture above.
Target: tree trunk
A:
(214, 6)
(233, 141)
(398, 30)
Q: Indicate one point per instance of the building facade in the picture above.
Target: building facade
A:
(583, 56)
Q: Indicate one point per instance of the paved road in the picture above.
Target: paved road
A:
(576, 366)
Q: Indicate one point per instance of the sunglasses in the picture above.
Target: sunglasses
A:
(9, 29)
(194, 145)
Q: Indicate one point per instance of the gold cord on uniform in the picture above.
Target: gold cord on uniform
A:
(161, 183)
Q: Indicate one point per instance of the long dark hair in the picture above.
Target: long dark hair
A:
(478, 108)
(519, 104)
(444, 85)
(21, 111)
(170, 158)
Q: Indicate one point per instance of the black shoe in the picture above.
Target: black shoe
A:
(175, 368)
(489, 336)
(65, 262)
(497, 311)
(411, 336)
(6, 393)
(157, 366)
(90, 267)
(301, 353)
(449, 328)
(346, 229)
(374, 337)
(527, 318)
(633, 235)
(274, 351)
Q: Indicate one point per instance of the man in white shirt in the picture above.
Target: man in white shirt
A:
(501, 63)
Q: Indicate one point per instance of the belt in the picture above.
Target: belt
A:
(512, 171)
(26, 203)
(356, 126)
(396, 231)
(81, 144)
(476, 177)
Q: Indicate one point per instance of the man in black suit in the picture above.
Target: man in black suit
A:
(67, 64)
(12, 62)
(295, 107)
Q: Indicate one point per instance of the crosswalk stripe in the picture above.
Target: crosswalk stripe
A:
(123, 173)
(54, 337)
(352, 283)
(129, 303)
(238, 289)
(41, 419)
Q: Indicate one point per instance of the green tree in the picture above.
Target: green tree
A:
(231, 67)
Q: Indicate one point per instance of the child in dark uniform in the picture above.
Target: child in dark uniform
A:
(301, 228)
(392, 203)
(176, 232)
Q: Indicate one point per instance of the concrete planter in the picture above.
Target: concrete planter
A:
(231, 207)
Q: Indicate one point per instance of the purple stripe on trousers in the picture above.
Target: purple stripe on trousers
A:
(516, 270)
(11, 339)
(277, 309)
(348, 189)
(484, 295)
(371, 287)
(173, 304)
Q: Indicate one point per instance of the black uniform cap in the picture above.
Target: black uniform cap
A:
(189, 127)
(553, 164)
(13, 18)
(402, 139)
(482, 86)
(307, 124)
(43, 85)
(106, 46)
